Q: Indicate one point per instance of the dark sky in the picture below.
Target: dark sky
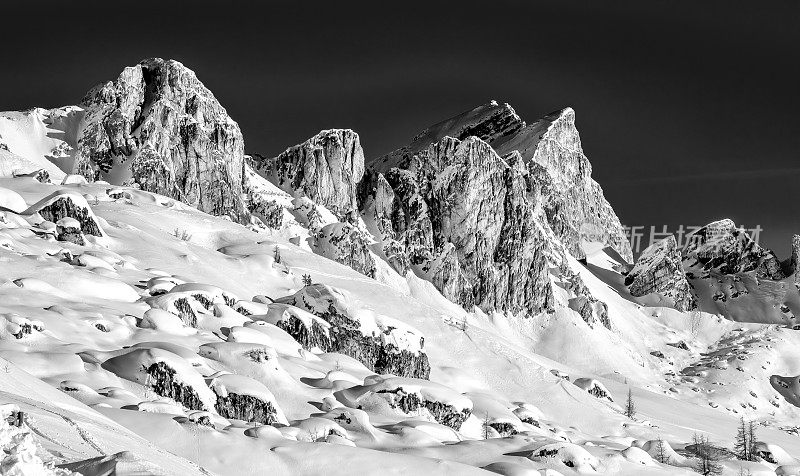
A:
(689, 111)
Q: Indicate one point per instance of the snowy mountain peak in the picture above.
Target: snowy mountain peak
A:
(157, 126)
(325, 168)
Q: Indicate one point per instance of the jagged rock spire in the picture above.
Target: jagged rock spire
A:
(159, 127)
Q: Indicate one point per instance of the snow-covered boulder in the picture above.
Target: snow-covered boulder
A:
(383, 344)
(661, 451)
(243, 398)
(410, 396)
(67, 204)
(594, 387)
(507, 468)
(69, 229)
(163, 321)
(206, 294)
(190, 300)
(637, 455)
(659, 271)
(167, 374)
(774, 454)
(74, 179)
(306, 328)
(571, 456)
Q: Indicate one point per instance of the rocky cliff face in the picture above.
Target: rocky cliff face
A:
(326, 168)
(157, 126)
(721, 270)
(556, 169)
(465, 219)
(727, 249)
(382, 344)
(482, 205)
(659, 270)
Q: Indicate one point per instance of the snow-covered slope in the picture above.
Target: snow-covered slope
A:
(39, 139)
(69, 319)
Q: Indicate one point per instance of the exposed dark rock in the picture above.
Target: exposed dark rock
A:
(24, 330)
(316, 336)
(269, 211)
(441, 412)
(66, 207)
(679, 345)
(204, 301)
(162, 381)
(344, 336)
(346, 244)
(185, 312)
(69, 230)
(504, 429)
(245, 407)
(558, 171)
(464, 217)
(530, 421)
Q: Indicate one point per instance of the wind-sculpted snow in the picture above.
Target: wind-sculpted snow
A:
(412, 397)
(168, 374)
(40, 142)
(659, 270)
(157, 126)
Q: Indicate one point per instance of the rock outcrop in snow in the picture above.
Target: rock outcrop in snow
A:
(344, 243)
(412, 397)
(63, 205)
(157, 126)
(659, 270)
(243, 398)
(382, 344)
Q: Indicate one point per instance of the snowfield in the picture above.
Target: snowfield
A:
(83, 324)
